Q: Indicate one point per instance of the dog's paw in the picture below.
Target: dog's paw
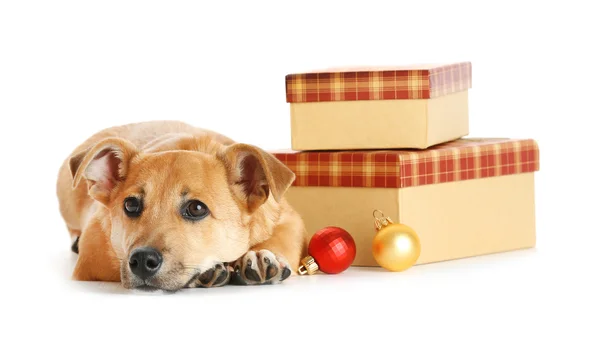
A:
(217, 276)
(261, 267)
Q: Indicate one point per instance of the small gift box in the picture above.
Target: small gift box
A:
(413, 106)
(463, 198)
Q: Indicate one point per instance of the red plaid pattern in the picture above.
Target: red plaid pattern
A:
(353, 84)
(458, 160)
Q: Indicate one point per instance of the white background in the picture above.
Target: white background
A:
(70, 68)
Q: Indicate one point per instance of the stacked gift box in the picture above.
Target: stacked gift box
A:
(394, 139)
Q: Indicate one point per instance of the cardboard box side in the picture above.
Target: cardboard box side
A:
(358, 124)
(379, 124)
(447, 118)
(468, 218)
(454, 220)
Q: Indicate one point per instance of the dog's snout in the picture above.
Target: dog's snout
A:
(145, 262)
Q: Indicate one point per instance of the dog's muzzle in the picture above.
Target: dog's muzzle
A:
(144, 262)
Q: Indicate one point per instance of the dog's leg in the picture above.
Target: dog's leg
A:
(260, 267)
(274, 260)
(217, 276)
(96, 260)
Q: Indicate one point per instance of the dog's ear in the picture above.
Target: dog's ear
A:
(103, 166)
(255, 173)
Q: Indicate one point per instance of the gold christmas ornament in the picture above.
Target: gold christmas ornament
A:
(396, 247)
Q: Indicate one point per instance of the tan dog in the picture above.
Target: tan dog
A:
(165, 205)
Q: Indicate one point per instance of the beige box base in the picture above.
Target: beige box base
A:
(453, 220)
(349, 125)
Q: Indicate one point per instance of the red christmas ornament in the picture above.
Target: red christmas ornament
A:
(331, 250)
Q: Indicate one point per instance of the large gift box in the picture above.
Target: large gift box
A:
(463, 198)
(412, 106)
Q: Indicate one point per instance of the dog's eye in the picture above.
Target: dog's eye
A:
(132, 206)
(195, 210)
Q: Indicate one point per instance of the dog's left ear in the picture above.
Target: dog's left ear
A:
(103, 165)
(255, 173)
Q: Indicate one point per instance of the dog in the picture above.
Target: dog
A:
(163, 205)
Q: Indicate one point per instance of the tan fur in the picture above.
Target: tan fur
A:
(167, 163)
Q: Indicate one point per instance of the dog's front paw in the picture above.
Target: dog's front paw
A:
(217, 276)
(261, 267)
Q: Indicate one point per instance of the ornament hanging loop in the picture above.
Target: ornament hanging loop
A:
(381, 220)
(308, 265)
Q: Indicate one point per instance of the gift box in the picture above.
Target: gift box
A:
(413, 106)
(463, 198)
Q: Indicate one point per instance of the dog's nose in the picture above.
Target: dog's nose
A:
(144, 262)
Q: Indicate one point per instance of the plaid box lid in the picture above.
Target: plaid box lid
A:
(418, 81)
(462, 159)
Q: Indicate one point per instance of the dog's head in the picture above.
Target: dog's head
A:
(175, 213)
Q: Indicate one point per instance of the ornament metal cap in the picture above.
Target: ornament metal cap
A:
(309, 266)
(381, 221)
